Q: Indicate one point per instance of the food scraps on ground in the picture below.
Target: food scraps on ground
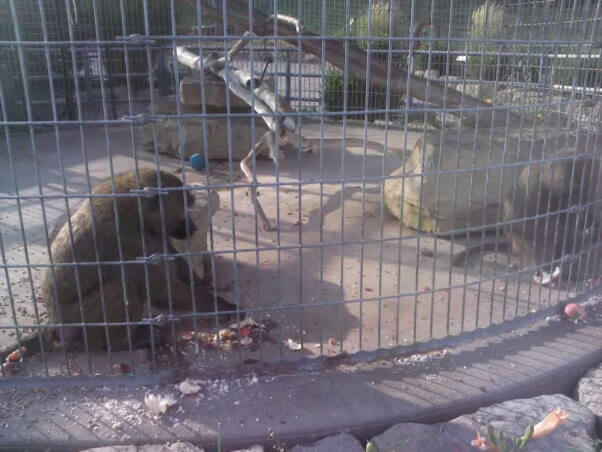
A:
(246, 341)
(16, 355)
(245, 331)
(227, 334)
(247, 321)
(188, 387)
(293, 345)
(574, 311)
(122, 368)
(187, 336)
(11, 367)
(545, 279)
(158, 404)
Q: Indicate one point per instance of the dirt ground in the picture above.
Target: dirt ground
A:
(339, 271)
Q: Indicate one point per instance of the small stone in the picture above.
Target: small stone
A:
(511, 417)
(173, 447)
(343, 442)
(411, 436)
(189, 387)
(251, 449)
(113, 449)
(589, 393)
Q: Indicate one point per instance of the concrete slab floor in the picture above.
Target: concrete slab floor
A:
(424, 299)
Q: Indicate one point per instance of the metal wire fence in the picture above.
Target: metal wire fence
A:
(434, 168)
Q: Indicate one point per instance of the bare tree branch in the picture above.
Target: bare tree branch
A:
(264, 101)
(433, 91)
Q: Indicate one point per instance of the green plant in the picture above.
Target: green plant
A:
(356, 95)
(438, 60)
(501, 443)
(506, 444)
(371, 447)
(489, 21)
(585, 71)
(379, 27)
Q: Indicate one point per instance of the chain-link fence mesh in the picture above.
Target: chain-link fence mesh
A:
(425, 169)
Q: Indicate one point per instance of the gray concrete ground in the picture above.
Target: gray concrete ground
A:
(536, 356)
(318, 214)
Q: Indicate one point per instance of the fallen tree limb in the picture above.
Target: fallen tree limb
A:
(260, 96)
(431, 91)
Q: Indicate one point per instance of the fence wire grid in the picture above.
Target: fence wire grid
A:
(425, 169)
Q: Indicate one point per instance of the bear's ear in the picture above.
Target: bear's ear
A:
(151, 214)
(156, 202)
(150, 207)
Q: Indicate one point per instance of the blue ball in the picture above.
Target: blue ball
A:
(197, 161)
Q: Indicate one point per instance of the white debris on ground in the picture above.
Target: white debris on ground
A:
(188, 387)
(547, 279)
(291, 344)
(159, 404)
(421, 357)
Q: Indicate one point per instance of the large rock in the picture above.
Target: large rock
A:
(343, 442)
(173, 447)
(511, 417)
(251, 449)
(423, 437)
(589, 393)
(192, 132)
(452, 180)
(215, 93)
(112, 449)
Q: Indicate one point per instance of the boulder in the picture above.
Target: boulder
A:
(215, 93)
(112, 449)
(455, 168)
(343, 442)
(168, 133)
(174, 447)
(513, 416)
(409, 436)
(510, 417)
(589, 393)
(251, 449)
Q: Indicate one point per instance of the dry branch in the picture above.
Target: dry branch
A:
(264, 101)
(432, 91)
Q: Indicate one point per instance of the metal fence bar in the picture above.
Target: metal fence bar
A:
(299, 130)
(382, 184)
(321, 151)
(145, 253)
(363, 202)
